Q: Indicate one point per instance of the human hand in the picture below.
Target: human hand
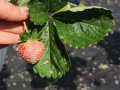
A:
(10, 25)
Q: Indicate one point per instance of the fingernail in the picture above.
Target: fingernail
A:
(24, 10)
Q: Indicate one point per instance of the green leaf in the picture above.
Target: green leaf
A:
(55, 5)
(23, 2)
(67, 7)
(55, 62)
(39, 9)
(20, 2)
(38, 13)
(83, 26)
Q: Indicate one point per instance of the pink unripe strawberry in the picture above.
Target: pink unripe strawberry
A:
(31, 51)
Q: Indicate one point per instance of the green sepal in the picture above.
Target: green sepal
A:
(26, 36)
(21, 36)
(19, 41)
(35, 33)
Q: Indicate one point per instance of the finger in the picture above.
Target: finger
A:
(8, 38)
(11, 12)
(11, 27)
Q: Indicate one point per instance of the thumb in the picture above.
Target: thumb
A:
(10, 12)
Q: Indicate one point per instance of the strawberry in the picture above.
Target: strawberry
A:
(31, 51)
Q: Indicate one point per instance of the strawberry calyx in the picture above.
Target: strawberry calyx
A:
(29, 36)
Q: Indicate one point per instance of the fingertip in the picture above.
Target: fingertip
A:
(20, 14)
(24, 11)
(10, 12)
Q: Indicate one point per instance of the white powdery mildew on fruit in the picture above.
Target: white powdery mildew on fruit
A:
(32, 52)
(50, 71)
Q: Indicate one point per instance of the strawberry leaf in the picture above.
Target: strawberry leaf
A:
(20, 2)
(55, 61)
(38, 13)
(23, 2)
(55, 5)
(78, 27)
(83, 26)
(39, 9)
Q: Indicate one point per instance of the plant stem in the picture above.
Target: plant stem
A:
(26, 29)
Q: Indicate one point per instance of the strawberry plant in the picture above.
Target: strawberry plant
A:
(56, 23)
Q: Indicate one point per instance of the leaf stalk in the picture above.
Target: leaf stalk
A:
(72, 4)
(26, 29)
